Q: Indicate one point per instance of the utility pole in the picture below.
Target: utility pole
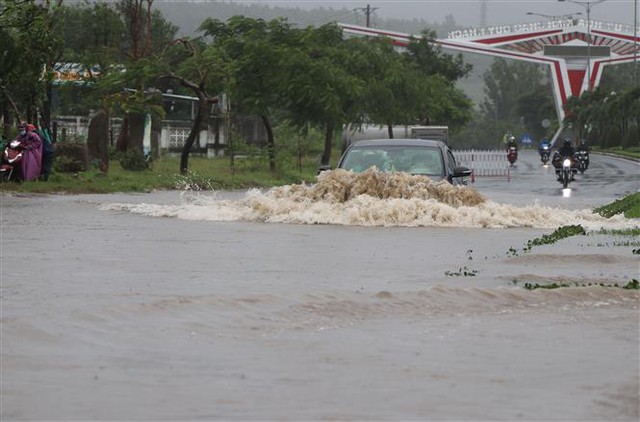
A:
(367, 11)
(635, 43)
(483, 13)
(588, 4)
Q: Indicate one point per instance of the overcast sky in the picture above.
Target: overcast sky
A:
(468, 12)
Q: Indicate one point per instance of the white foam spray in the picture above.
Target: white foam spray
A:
(374, 198)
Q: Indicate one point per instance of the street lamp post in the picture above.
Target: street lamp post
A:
(587, 5)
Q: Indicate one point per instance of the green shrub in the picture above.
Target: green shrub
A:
(71, 157)
(134, 160)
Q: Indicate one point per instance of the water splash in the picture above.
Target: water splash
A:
(342, 186)
(373, 198)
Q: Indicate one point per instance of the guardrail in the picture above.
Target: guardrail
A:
(484, 163)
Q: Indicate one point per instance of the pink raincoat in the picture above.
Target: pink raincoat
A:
(32, 155)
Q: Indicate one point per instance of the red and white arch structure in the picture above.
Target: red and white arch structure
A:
(560, 44)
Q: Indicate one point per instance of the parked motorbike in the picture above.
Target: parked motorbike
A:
(565, 169)
(544, 154)
(11, 160)
(512, 155)
(582, 160)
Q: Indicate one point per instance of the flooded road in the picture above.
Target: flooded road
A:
(319, 303)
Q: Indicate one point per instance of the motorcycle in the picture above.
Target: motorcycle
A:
(544, 154)
(11, 160)
(565, 169)
(582, 160)
(512, 155)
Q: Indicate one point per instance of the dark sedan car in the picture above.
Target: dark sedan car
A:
(416, 156)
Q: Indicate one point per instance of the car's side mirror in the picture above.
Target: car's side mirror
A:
(324, 167)
(461, 172)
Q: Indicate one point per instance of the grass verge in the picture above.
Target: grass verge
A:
(633, 152)
(629, 206)
(204, 174)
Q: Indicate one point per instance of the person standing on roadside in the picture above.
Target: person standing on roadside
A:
(32, 145)
(48, 151)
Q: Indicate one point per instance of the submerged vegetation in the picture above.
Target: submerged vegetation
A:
(629, 206)
(462, 272)
(632, 285)
(560, 233)
(634, 232)
(548, 239)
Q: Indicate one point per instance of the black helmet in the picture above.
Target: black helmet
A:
(567, 142)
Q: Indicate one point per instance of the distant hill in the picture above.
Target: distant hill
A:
(189, 16)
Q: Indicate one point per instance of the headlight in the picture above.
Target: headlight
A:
(566, 162)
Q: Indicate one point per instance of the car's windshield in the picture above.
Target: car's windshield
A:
(411, 159)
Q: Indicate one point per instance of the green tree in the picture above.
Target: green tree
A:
(605, 118)
(93, 37)
(394, 88)
(583, 114)
(30, 46)
(518, 97)
(430, 58)
(505, 82)
(258, 51)
(625, 112)
(533, 108)
(322, 88)
(143, 42)
(451, 106)
(9, 58)
(620, 77)
(97, 37)
(201, 68)
(416, 86)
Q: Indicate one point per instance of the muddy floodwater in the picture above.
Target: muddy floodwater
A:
(373, 297)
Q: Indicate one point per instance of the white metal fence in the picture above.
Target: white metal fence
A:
(484, 163)
(72, 128)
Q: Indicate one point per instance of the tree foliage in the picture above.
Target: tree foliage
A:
(305, 77)
(606, 118)
(200, 68)
(429, 57)
(257, 52)
(30, 45)
(518, 97)
(323, 89)
(147, 33)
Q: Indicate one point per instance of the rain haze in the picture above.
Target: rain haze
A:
(352, 297)
(474, 12)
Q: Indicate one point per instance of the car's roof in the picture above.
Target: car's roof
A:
(399, 142)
